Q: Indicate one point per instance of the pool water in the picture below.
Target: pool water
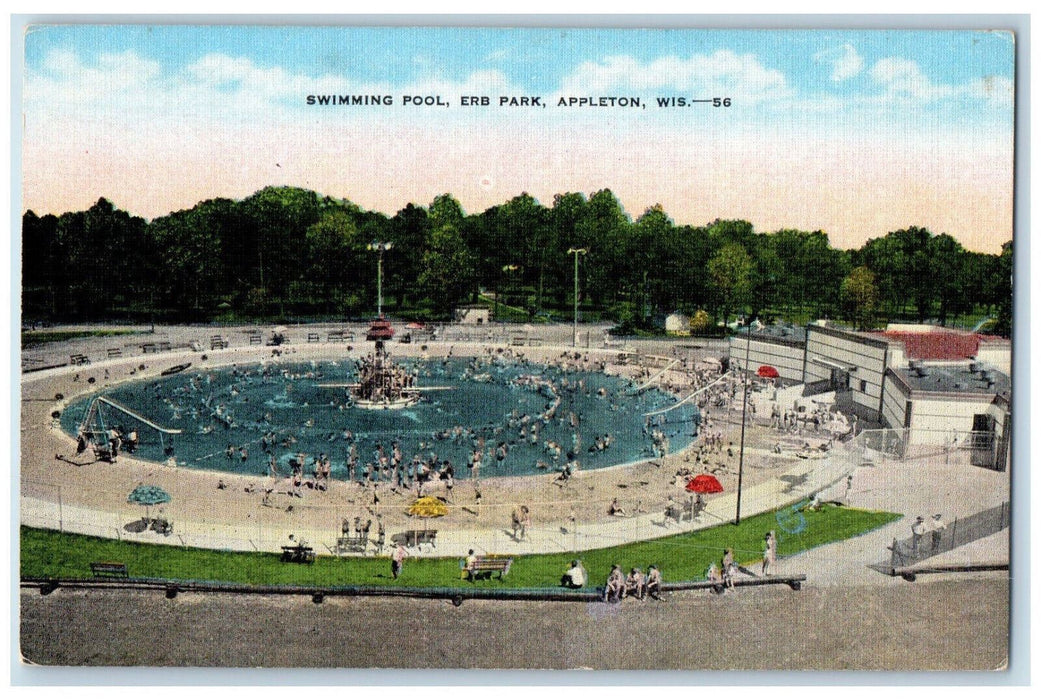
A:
(279, 408)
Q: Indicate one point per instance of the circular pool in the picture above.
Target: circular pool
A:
(524, 418)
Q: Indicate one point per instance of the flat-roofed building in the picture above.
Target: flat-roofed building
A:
(949, 403)
(781, 347)
(937, 383)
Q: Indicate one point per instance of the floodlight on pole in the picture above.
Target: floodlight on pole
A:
(382, 247)
(506, 270)
(576, 252)
(744, 416)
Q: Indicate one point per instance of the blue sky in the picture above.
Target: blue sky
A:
(534, 58)
(847, 131)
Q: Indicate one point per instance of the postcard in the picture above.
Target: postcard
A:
(402, 347)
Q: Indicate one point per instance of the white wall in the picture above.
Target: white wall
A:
(785, 358)
(998, 354)
(935, 417)
(894, 403)
(848, 350)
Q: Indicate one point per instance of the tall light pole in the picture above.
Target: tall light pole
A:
(382, 247)
(506, 270)
(576, 252)
(744, 416)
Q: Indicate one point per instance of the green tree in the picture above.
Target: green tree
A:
(730, 270)
(604, 231)
(948, 259)
(447, 270)
(337, 260)
(445, 210)
(859, 297)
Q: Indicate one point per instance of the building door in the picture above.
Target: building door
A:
(839, 380)
(982, 441)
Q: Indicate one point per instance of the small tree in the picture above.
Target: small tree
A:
(860, 297)
(731, 273)
(700, 322)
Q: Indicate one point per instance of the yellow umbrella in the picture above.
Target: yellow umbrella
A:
(428, 507)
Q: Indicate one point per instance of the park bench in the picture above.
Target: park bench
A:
(911, 573)
(298, 554)
(335, 337)
(114, 352)
(218, 343)
(313, 338)
(486, 566)
(351, 544)
(108, 569)
(79, 359)
(256, 339)
(793, 581)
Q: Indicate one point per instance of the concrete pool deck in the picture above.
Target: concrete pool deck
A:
(90, 498)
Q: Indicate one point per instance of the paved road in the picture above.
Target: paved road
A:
(894, 627)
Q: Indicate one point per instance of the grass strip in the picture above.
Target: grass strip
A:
(51, 554)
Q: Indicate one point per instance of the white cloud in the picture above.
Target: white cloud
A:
(64, 77)
(845, 62)
(723, 73)
(904, 79)
(900, 77)
(214, 86)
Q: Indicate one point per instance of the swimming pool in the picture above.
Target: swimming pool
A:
(233, 418)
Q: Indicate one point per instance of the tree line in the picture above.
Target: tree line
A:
(286, 253)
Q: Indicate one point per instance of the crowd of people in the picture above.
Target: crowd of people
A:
(635, 584)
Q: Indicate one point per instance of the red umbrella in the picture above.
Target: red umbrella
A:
(768, 372)
(704, 483)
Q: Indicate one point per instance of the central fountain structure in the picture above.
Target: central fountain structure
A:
(382, 384)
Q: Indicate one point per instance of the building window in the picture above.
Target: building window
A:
(863, 386)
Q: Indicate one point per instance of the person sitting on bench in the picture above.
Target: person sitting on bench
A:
(653, 583)
(614, 590)
(575, 577)
(634, 583)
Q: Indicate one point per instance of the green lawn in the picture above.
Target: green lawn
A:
(47, 553)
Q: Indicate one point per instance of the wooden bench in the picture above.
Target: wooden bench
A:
(114, 352)
(218, 343)
(163, 346)
(335, 337)
(313, 338)
(256, 339)
(108, 569)
(298, 554)
(351, 544)
(79, 359)
(487, 566)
